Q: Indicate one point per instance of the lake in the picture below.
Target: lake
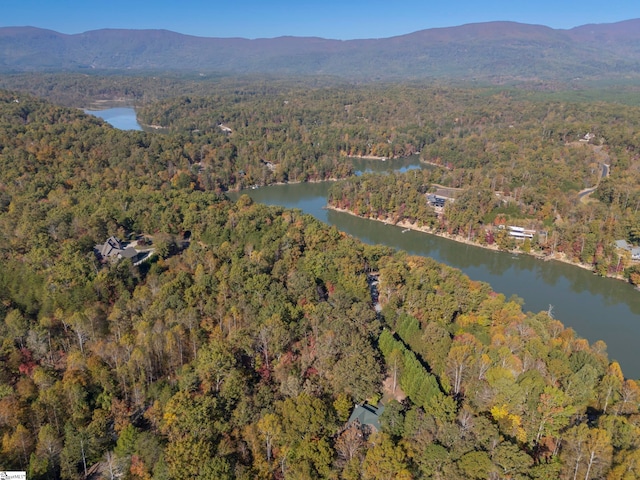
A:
(123, 118)
(596, 308)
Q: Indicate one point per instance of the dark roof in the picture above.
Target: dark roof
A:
(129, 252)
(115, 248)
(367, 415)
(111, 247)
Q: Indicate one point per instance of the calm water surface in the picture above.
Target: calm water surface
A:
(123, 118)
(597, 308)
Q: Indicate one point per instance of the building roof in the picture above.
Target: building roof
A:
(111, 247)
(114, 248)
(129, 252)
(623, 244)
(367, 415)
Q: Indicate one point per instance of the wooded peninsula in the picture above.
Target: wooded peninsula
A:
(237, 340)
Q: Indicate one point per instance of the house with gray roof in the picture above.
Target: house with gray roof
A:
(624, 245)
(114, 249)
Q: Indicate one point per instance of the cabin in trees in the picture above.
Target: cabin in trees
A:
(367, 416)
(624, 245)
(113, 249)
(436, 201)
(442, 195)
(271, 166)
(588, 137)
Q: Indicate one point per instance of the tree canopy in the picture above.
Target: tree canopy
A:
(247, 339)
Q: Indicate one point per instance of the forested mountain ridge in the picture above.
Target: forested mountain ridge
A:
(248, 349)
(494, 51)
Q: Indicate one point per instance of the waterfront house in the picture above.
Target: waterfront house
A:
(624, 245)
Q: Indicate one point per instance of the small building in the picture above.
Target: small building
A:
(520, 232)
(624, 245)
(436, 201)
(367, 416)
(588, 137)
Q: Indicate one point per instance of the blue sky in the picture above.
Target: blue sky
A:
(339, 19)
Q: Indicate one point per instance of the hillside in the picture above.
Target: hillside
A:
(494, 51)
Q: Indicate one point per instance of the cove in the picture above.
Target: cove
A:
(596, 308)
(123, 118)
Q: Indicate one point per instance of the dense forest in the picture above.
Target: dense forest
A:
(242, 347)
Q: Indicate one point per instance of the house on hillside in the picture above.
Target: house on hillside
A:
(113, 249)
(624, 245)
(435, 200)
(271, 166)
(367, 416)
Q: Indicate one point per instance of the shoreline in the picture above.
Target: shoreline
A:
(371, 157)
(288, 182)
(460, 239)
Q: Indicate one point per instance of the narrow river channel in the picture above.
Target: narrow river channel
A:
(596, 308)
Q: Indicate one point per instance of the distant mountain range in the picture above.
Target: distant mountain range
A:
(494, 51)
